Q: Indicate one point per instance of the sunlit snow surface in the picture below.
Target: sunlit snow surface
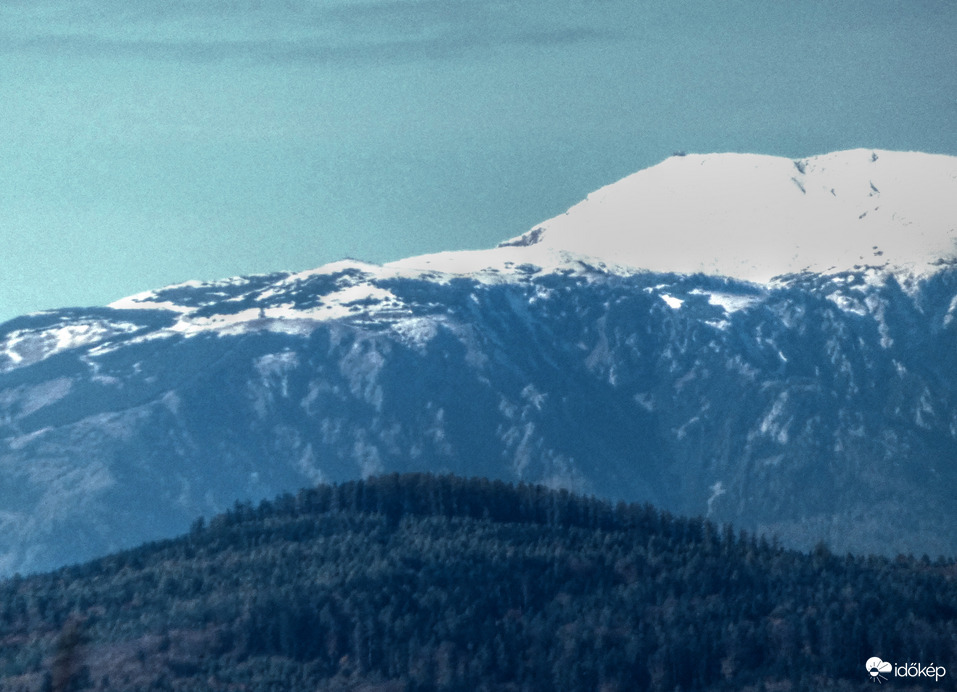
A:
(750, 217)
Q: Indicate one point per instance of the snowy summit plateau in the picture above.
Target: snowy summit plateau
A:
(598, 352)
(751, 217)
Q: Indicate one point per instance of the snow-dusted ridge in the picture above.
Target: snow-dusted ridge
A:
(22, 347)
(750, 217)
(269, 302)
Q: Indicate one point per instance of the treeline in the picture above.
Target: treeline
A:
(417, 582)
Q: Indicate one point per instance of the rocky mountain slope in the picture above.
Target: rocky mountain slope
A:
(794, 371)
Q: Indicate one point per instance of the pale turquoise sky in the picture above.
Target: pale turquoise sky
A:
(150, 142)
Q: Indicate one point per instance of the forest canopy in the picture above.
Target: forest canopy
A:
(420, 582)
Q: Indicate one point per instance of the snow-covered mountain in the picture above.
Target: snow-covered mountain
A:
(752, 217)
(764, 341)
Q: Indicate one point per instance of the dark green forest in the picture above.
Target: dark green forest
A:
(417, 582)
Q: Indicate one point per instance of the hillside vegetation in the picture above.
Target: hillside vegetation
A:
(417, 582)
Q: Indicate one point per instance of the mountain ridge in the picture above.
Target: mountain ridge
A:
(814, 406)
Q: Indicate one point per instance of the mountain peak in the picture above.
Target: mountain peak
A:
(742, 216)
(751, 217)
(553, 358)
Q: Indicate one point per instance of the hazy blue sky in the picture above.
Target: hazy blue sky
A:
(148, 142)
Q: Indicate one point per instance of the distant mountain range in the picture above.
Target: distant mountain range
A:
(762, 341)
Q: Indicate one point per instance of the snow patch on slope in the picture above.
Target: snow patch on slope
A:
(27, 346)
(729, 302)
(671, 301)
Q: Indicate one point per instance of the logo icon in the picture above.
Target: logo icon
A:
(875, 667)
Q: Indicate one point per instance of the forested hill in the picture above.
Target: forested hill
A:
(418, 582)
